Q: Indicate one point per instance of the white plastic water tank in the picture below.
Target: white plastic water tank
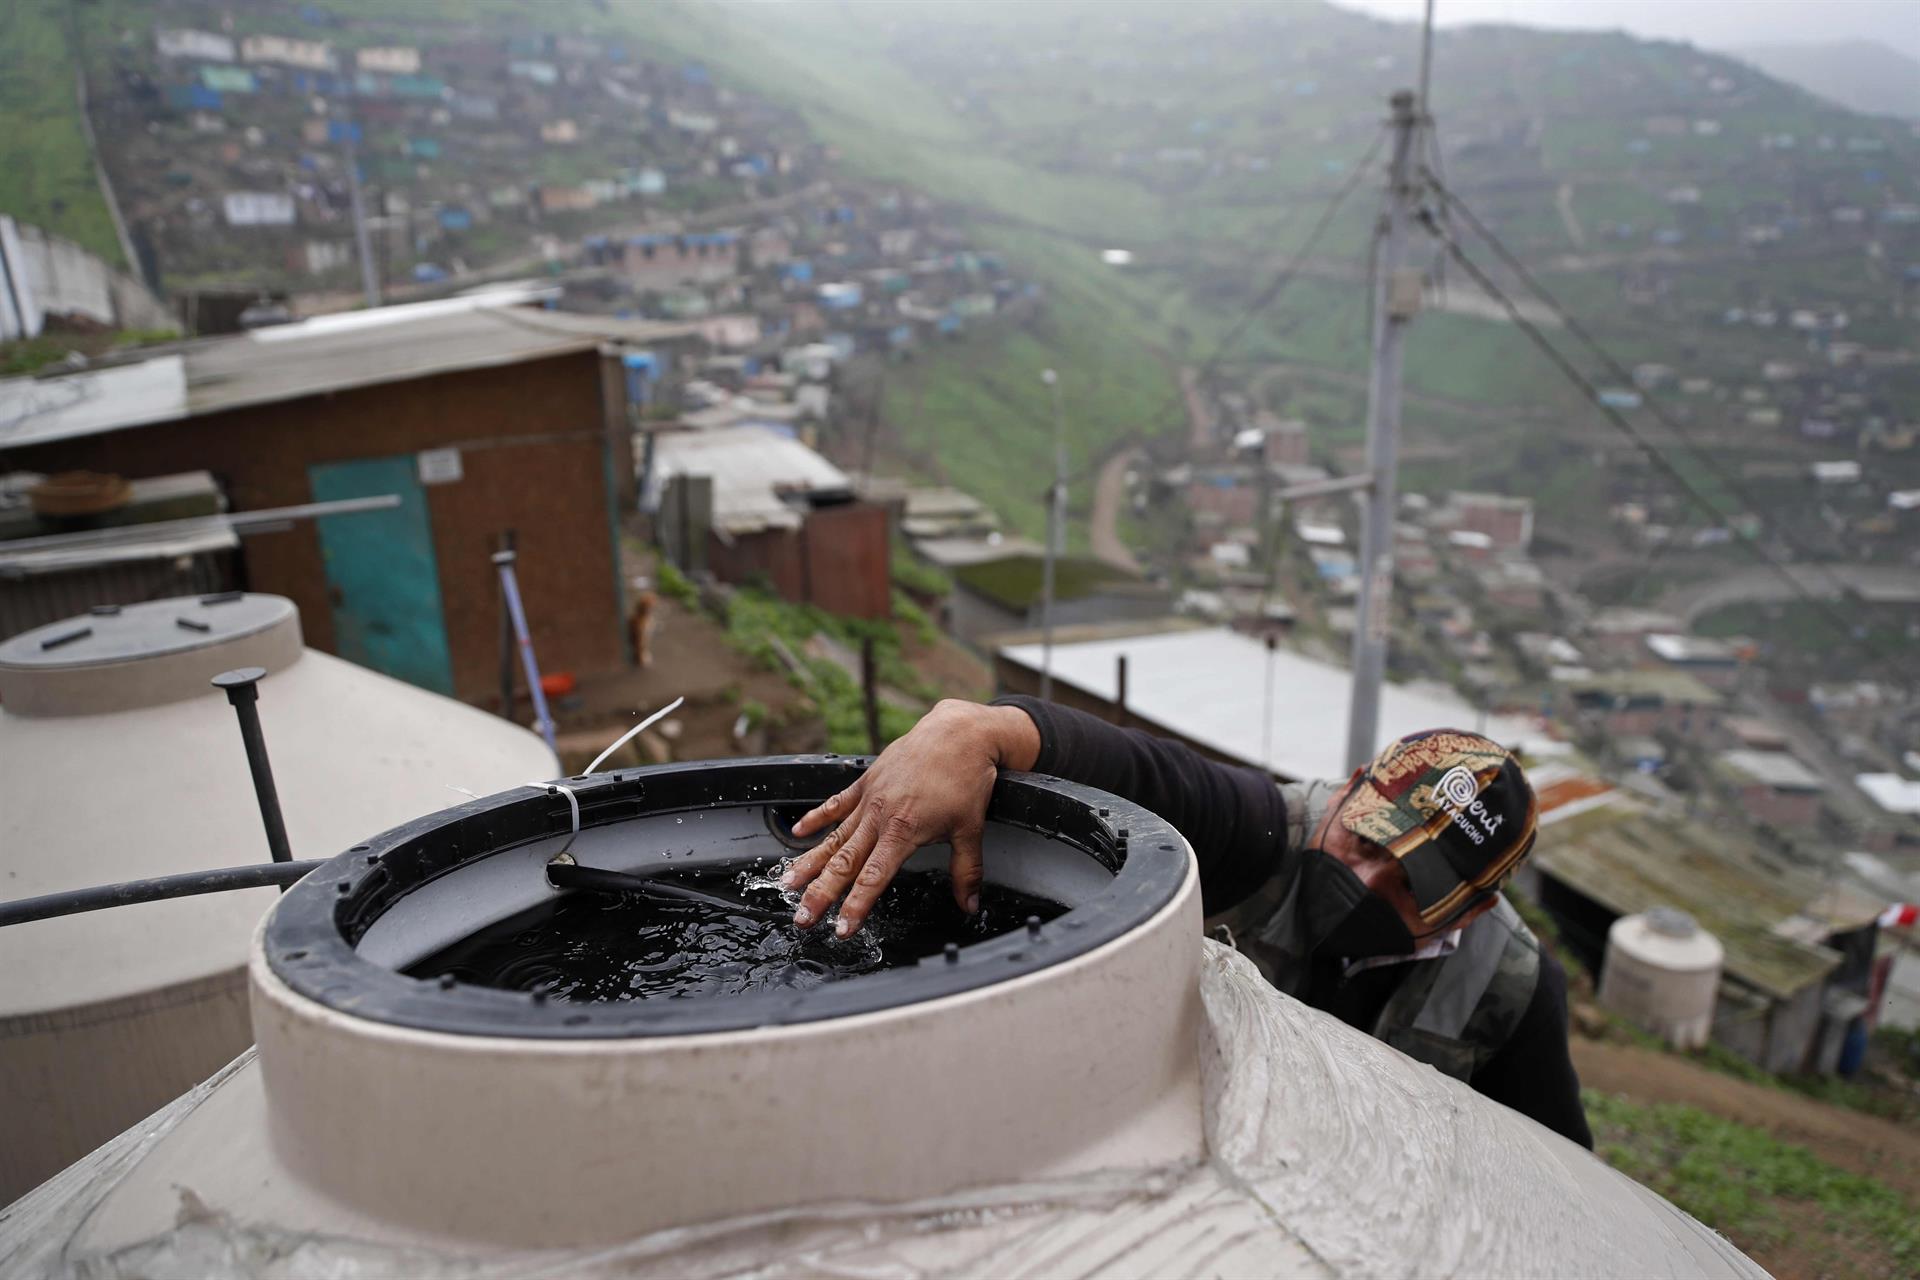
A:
(1662, 972)
(119, 761)
(1104, 1095)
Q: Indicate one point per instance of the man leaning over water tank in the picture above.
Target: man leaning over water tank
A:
(1375, 898)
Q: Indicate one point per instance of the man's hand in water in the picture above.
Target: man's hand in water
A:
(930, 786)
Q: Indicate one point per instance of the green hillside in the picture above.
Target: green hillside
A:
(46, 170)
(1641, 178)
(1658, 189)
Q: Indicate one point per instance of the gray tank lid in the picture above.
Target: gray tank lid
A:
(126, 633)
(123, 657)
(1671, 922)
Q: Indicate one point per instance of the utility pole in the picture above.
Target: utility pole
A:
(361, 240)
(1056, 534)
(1396, 299)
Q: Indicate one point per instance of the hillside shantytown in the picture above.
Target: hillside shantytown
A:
(1256, 379)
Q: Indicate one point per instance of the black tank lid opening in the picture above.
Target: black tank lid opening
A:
(312, 936)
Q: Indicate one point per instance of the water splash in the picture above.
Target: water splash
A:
(591, 947)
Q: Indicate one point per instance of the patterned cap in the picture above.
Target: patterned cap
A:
(1454, 808)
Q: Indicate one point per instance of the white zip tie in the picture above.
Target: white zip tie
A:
(573, 801)
(573, 805)
(636, 731)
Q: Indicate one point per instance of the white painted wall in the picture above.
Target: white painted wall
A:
(43, 275)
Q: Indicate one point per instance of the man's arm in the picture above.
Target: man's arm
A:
(1233, 817)
(1533, 1073)
(935, 782)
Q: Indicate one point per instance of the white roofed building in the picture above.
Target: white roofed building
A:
(750, 503)
(313, 55)
(1774, 786)
(200, 46)
(1714, 662)
(1203, 687)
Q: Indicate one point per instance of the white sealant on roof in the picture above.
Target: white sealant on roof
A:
(36, 410)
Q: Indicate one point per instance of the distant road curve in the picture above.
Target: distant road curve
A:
(1563, 201)
(1267, 374)
(1761, 585)
(1109, 496)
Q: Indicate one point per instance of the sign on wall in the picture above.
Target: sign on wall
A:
(440, 466)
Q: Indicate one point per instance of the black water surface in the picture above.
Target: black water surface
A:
(591, 946)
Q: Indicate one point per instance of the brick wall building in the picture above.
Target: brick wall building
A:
(482, 421)
(838, 560)
(1507, 521)
(771, 509)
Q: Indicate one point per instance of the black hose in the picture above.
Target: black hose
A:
(565, 875)
(73, 901)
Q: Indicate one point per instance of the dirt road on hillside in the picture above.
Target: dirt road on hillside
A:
(1851, 1140)
(1109, 498)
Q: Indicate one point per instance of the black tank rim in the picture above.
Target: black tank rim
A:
(310, 936)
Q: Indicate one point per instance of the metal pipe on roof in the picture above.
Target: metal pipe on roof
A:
(241, 686)
(241, 522)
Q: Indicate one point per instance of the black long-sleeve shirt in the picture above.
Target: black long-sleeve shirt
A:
(1236, 820)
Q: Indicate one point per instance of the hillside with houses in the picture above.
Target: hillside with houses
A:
(796, 366)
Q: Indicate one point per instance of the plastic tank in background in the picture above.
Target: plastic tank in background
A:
(1662, 973)
(121, 762)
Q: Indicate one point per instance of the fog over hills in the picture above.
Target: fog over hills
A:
(1858, 74)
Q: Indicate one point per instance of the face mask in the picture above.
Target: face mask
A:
(1341, 917)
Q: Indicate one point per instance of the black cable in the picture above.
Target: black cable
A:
(1261, 301)
(1285, 276)
(1693, 492)
(1753, 506)
(186, 885)
(1734, 484)
(563, 875)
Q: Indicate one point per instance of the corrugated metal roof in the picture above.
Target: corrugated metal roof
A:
(1207, 686)
(751, 468)
(130, 545)
(1629, 861)
(327, 353)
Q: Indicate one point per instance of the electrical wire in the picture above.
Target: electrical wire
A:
(187, 884)
(1726, 477)
(1687, 486)
(1287, 273)
(1267, 296)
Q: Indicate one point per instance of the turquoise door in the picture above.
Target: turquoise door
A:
(382, 577)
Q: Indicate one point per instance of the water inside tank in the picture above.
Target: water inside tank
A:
(590, 946)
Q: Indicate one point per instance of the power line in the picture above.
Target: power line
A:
(1285, 276)
(1833, 617)
(1267, 296)
(1733, 483)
